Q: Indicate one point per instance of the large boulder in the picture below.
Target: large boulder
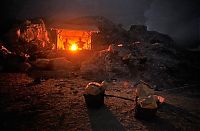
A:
(105, 64)
(60, 64)
(53, 64)
(140, 33)
(41, 63)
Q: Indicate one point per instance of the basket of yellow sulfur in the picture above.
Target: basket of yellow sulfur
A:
(146, 102)
(94, 94)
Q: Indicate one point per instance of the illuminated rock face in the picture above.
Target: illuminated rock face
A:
(28, 36)
(35, 30)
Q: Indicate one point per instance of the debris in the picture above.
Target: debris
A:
(12, 61)
(106, 64)
(140, 33)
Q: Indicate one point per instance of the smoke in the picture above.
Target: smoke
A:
(178, 18)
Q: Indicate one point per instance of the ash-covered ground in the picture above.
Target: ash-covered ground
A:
(58, 104)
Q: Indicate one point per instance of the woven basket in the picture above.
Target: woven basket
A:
(94, 101)
(144, 113)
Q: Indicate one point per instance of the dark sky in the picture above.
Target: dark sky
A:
(126, 12)
(178, 18)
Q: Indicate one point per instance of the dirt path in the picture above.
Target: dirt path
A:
(58, 104)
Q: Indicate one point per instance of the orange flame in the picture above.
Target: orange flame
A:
(73, 47)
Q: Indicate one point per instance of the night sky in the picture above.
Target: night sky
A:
(178, 18)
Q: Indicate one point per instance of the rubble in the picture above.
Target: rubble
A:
(136, 60)
(141, 34)
(104, 64)
(13, 62)
(136, 54)
(159, 59)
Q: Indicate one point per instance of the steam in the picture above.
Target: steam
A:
(178, 18)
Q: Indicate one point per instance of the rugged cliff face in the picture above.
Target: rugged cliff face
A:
(29, 37)
(23, 42)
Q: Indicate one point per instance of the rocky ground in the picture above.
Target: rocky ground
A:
(58, 104)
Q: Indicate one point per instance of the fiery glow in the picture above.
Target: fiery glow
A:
(73, 36)
(73, 47)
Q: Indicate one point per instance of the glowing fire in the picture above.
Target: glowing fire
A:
(73, 47)
(65, 39)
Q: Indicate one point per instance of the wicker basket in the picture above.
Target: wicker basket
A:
(94, 101)
(144, 113)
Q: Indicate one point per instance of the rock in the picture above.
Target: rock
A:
(30, 36)
(41, 63)
(3, 51)
(94, 67)
(12, 61)
(140, 33)
(138, 28)
(60, 64)
(105, 64)
(53, 64)
(24, 67)
(1, 68)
